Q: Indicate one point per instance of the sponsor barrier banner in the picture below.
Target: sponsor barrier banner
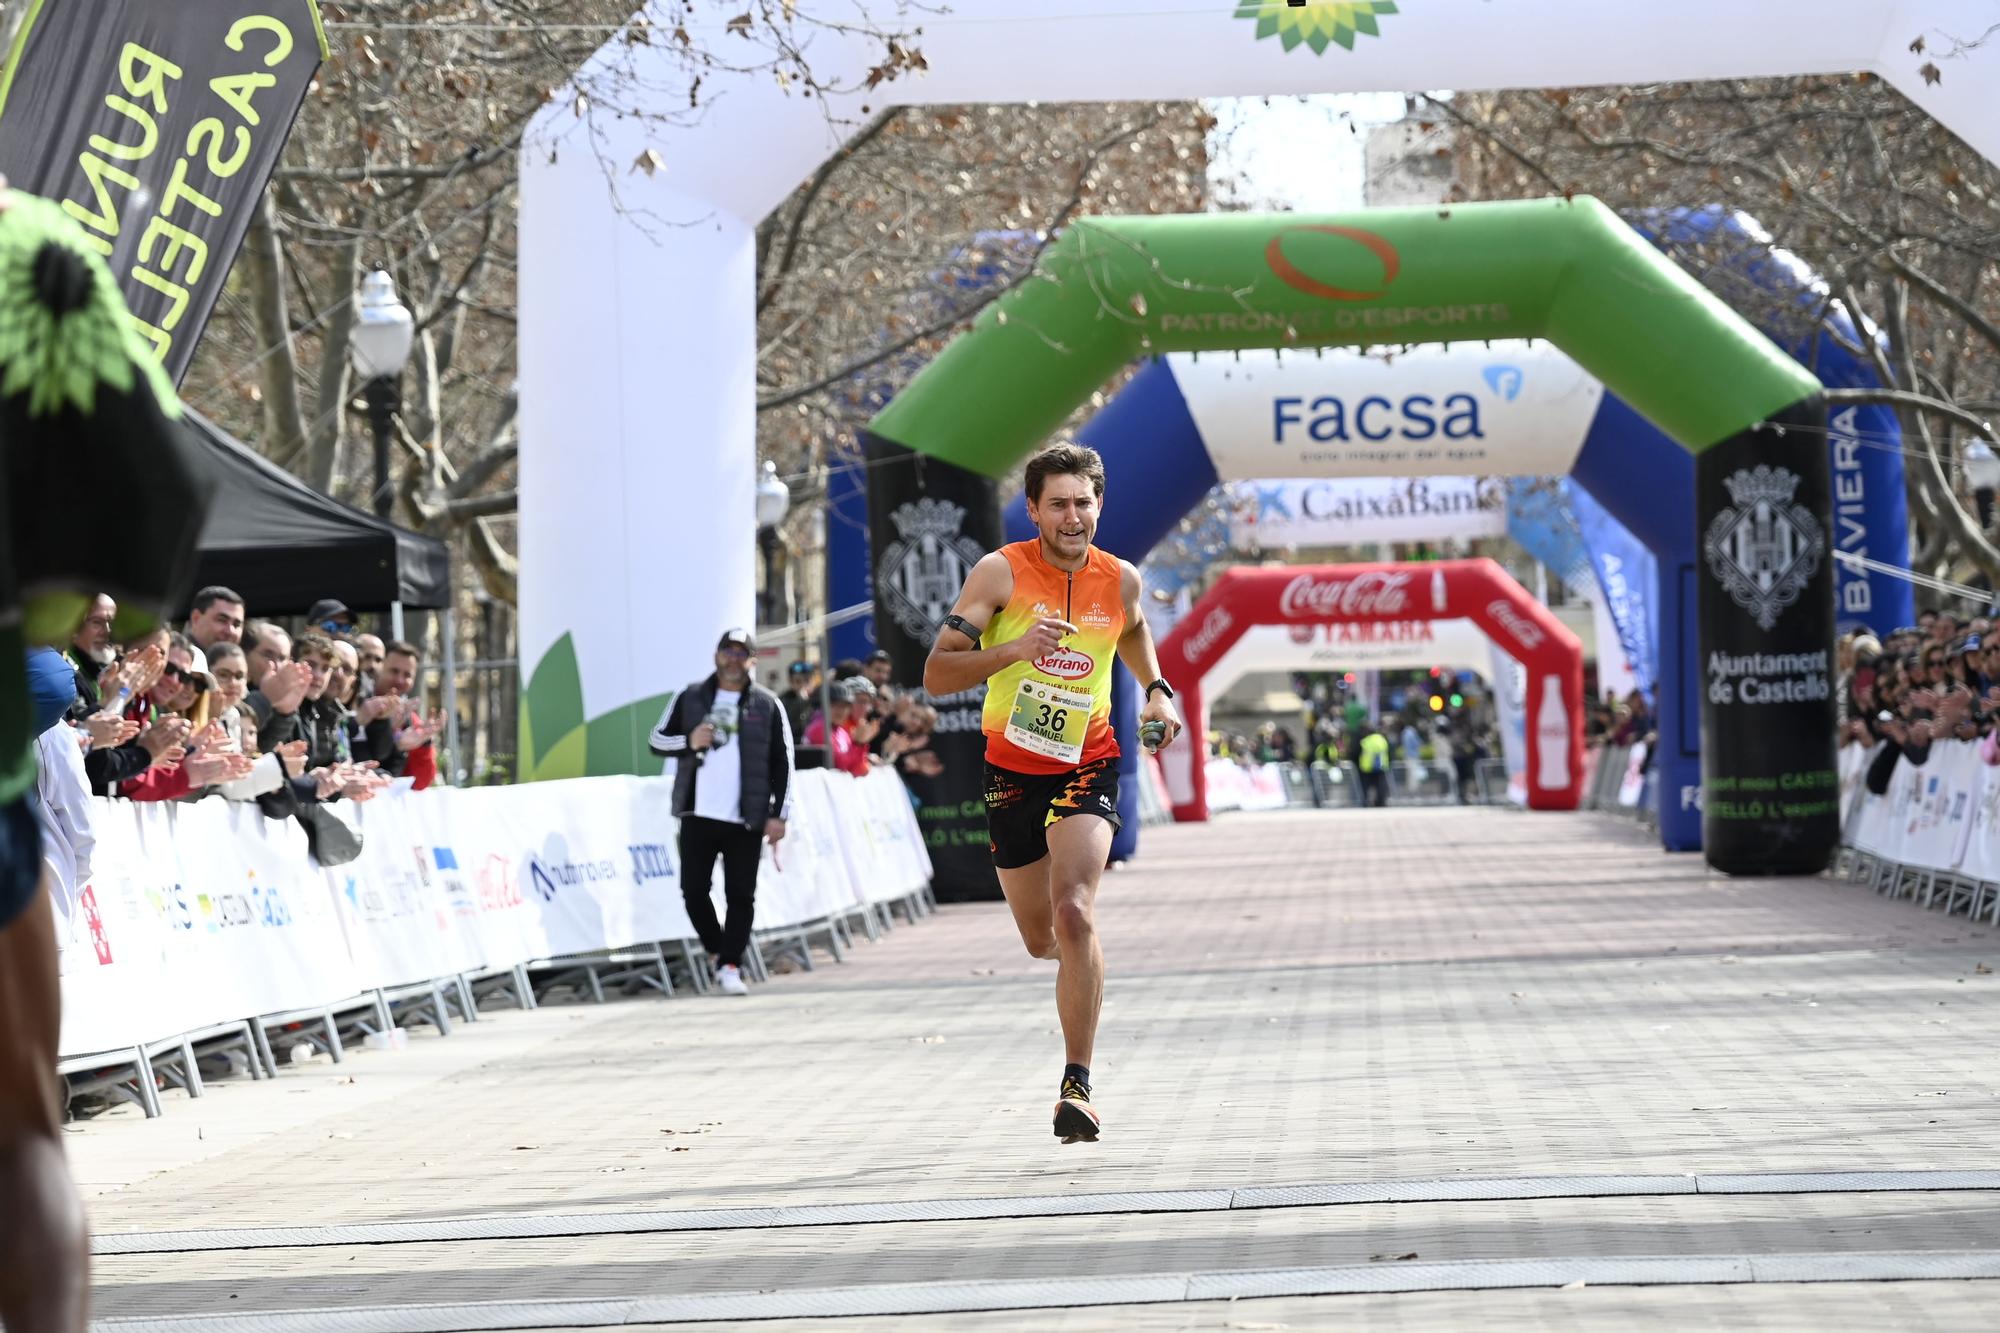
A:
(1943, 814)
(207, 913)
(1231, 786)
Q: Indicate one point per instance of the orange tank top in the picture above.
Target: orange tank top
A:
(1054, 714)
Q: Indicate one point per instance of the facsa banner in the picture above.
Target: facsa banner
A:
(1431, 410)
(1276, 515)
(206, 913)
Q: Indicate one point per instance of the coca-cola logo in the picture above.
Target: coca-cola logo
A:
(1526, 632)
(1301, 633)
(1371, 594)
(1202, 640)
(1066, 664)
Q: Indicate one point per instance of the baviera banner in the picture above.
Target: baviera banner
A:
(156, 127)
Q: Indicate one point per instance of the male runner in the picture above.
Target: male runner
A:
(1051, 612)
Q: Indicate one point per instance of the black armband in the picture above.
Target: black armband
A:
(963, 626)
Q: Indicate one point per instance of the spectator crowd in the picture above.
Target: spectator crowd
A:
(1938, 680)
(229, 708)
(875, 723)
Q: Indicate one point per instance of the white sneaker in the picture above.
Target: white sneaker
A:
(730, 979)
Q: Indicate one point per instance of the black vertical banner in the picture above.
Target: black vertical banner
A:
(155, 126)
(928, 524)
(1770, 790)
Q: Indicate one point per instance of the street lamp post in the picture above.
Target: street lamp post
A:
(773, 501)
(377, 348)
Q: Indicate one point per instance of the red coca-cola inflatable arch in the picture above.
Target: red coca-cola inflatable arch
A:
(1476, 590)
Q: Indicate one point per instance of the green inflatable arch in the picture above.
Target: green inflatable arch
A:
(1112, 289)
(1568, 270)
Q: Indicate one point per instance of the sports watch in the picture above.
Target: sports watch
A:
(1162, 686)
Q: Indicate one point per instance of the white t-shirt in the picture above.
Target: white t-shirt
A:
(718, 784)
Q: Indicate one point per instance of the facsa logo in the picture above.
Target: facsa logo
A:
(1506, 381)
(1418, 417)
(1066, 664)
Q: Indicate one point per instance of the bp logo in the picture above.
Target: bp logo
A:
(1319, 24)
(1766, 547)
(920, 573)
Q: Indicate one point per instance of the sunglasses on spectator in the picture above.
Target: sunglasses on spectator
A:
(178, 673)
(733, 651)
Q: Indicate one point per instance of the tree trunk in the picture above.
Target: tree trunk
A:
(277, 366)
(329, 429)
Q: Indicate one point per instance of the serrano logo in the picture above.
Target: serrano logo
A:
(1293, 276)
(1066, 664)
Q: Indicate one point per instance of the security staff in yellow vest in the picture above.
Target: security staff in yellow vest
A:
(1371, 756)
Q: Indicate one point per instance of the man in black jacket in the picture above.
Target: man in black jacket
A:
(732, 779)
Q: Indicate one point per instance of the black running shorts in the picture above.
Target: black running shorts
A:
(1021, 806)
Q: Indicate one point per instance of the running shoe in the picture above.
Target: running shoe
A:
(730, 979)
(1076, 1121)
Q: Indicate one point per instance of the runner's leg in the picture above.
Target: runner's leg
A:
(1078, 848)
(44, 1252)
(1027, 890)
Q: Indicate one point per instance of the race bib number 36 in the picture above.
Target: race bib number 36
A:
(1049, 720)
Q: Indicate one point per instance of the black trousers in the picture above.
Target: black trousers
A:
(1375, 787)
(702, 840)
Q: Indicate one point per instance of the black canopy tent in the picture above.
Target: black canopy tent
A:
(284, 546)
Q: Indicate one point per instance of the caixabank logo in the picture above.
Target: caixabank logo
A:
(1316, 24)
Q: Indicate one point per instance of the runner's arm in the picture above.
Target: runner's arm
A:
(1135, 646)
(957, 662)
(1141, 656)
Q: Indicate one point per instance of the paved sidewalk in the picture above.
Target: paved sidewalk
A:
(1342, 998)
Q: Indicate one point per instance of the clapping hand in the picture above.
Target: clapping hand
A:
(212, 738)
(137, 673)
(285, 687)
(376, 707)
(207, 769)
(360, 782)
(107, 731)
(164, 739)
(421, 732)
(291, 757)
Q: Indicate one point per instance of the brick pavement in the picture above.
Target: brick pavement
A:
(1293, 998)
